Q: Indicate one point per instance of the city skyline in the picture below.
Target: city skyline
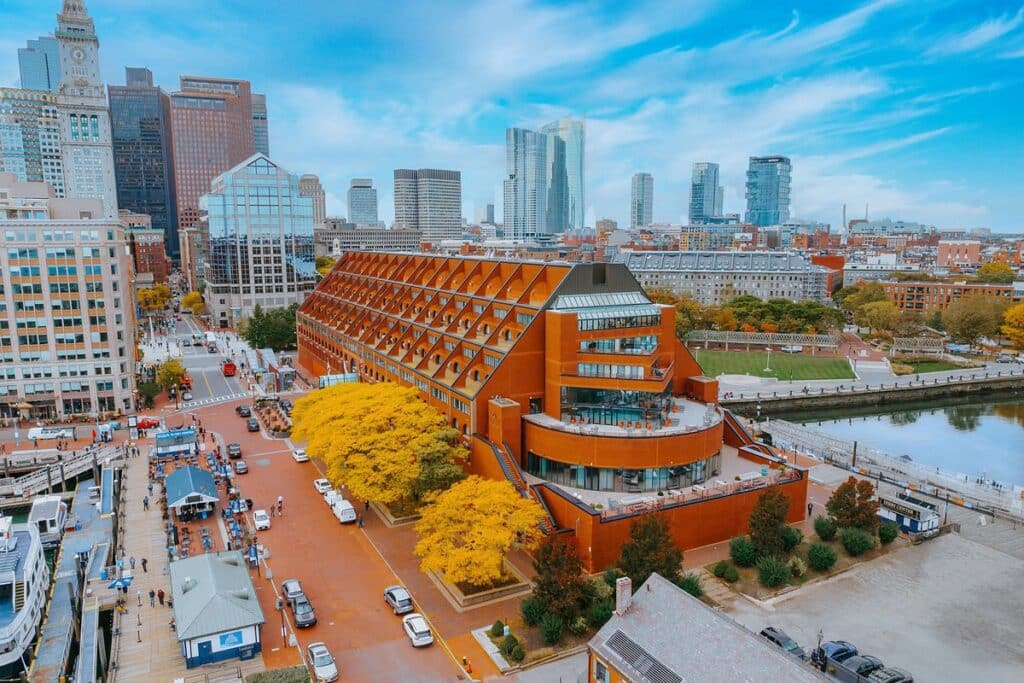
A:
(866, 120)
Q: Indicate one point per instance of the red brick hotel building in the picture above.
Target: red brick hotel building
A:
(564, 378)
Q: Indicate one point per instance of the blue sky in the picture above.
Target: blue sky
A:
(915, 107)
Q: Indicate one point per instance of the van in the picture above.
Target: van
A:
(332, 497)
(44, 433)
(344, 511)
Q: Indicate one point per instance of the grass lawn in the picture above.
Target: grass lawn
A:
(784, 366)
(933, 366)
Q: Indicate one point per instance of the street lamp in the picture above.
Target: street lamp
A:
(280, 610)
(768, 365)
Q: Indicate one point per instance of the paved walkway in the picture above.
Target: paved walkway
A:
(148, 650)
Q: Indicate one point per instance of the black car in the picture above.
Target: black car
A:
(890, 675)
(234, 451)
(780, 638)
(863, 665)
(253, 425)
(303, 611)
(243, 411)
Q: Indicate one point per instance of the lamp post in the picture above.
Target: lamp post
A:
(280, 610)
(768, 365)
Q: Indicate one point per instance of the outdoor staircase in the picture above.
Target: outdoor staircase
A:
(716, 589)
(514, 474)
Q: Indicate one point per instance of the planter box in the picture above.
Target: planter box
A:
(385, 514)
(467, 601)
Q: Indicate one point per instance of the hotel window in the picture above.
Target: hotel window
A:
(600, 672)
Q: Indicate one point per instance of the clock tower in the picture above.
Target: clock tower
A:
(85, 134)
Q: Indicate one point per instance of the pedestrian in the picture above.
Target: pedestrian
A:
(152, 598)
(280, 503)
(144, 563)
(359, 521)
(160, 596)
(151, 488)
(810, 506)
(131, 562)
(366, 507)
(145, 502)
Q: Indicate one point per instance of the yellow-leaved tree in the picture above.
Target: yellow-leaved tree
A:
(466, 531)
(370, 436)
(193, 301)
(1013, 326)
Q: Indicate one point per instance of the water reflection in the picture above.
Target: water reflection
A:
(966, 418)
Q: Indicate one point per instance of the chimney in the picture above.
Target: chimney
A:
(623, 594)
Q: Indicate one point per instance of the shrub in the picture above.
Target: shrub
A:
(551, 627)
(610, 576)
(742, 551)
(791, 537)
(498, 630)
(888, 532)
(732, 575)
(901, 369)
(508, 644)
(533, 611)
(720, 568)
(856, 541)
(691, 584)
(821, 557)
(599, 613)
(797, 567)
(772, 572)
(517, 655)
(578, 626)
(825, 527)
(599, 590)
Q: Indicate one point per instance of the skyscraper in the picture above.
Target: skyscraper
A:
(261, 241)
(573, 134)
(260, 124)
(527, 189)
(429, 200)
(705, 193)
(86, 149)
(362, 202)
(641, 207)
(211, 132)
(309, 186)
(140, 115)
(30, 137)
(39, 64)
(768, 185)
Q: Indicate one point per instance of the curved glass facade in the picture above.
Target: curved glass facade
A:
(623, 480)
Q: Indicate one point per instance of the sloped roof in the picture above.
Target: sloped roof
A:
(187, 481)
(213, 593)
(668, 636)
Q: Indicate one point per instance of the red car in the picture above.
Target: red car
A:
(148, 422)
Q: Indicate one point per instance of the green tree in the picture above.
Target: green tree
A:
(650, 549)
(853, 505)
(868, 293)
(148, 391)
(561, 584)
(998, 273)
(324, 265)
(169, 374)
(440, 461)
(273, 328)
(768, 522)
(880, 316)
(973, 317)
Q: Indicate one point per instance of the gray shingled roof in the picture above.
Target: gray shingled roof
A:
(187, 481)
(669, 636)
(213, 593)
(752, 261)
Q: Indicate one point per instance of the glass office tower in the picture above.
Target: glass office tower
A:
(768, 185)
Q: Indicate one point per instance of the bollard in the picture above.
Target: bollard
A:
(138, 635)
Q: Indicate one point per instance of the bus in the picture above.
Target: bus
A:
(228, 368)
(913, 516)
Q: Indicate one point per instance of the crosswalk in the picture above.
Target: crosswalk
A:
(216, 399)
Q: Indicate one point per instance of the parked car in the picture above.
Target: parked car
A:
(332, 497)
(299, 455)
(147, 422)
(322, 486)
(303, 612)
(243, 411)
(399, 599)
(780, 638)
(291, 589)
(792, 348)
(241, 467)
(261, 519)
(344, 511)
(324, 667)
(252, 425)
(835, 650)
(1004, 358)
(857, 666)
(890, 675)
(187, 396)
(416, 628)
(187, 342)
(234, 451)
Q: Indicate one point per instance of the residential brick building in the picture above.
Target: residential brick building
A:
(932, 296)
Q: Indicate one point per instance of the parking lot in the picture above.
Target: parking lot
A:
(947, 610)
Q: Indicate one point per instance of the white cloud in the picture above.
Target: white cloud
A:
(980, 36)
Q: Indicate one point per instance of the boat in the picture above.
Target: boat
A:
(24, 582)
(48, 515)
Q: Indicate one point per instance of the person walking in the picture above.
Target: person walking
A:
(280, 505)
(145, 502)
(152, 598)
(144, 563)
(810, 507)
(160, 596)
(131, 562)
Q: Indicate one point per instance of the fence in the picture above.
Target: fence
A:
(821, 341)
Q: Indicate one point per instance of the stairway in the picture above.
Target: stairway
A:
(716, 589)
(515, 475)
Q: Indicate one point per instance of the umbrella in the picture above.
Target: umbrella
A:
(123, 582)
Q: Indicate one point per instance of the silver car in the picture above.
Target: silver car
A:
(416, 628)
(324, 667)
(291, 589)
(399, 599)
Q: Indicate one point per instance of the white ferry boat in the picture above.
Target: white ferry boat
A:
(48, 515)
(24, 581)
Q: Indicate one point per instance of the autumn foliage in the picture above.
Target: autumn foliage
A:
(853, 505)
(374, 437)
(467, 530)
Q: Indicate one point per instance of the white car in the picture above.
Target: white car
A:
(324, 667)
(187, 396)
(262, 520)
(299, 455)
(416, 628)
(322, 486)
